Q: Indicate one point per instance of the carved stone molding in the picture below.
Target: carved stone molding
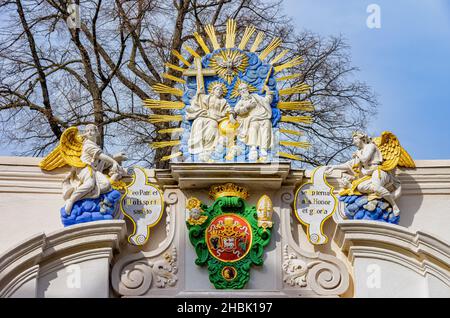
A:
(140, 276)
(323, 278)
(136, 274)
(305, 272)
(418, 251)
(45, 253)
(23, 175)
(294, 269)
(259, 175)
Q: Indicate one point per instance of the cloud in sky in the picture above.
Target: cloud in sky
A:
(406, 61)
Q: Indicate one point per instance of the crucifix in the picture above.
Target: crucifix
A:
(199, 73)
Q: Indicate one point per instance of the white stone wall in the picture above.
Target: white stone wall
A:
(30, 201)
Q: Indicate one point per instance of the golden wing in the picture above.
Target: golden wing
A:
(68, 152)
(393, 153)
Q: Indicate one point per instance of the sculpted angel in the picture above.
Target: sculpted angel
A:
(87, 178)
(371, 170)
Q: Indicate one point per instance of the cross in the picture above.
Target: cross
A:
(199, 72)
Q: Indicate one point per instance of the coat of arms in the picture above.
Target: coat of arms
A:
(230, 235)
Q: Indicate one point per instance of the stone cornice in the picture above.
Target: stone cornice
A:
(22, 175)
(261, 175)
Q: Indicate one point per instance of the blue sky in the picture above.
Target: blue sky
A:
(406, 62)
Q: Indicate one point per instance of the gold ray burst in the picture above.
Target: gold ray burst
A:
(164, 89)
(279, 57)
(297, 119)
(163, 144)
(289, 156)
(156, 118)
(202, 43)
(191, 51)
(170, 130)
(174, 78)
(235, 92)
(306, 106)
(270, 48)
(175, 155)
(162, 104)
(175, 67)
(298, 144)
(211, 32)
(297, 89)
(288, 77)
(246, 37)
(292, 63)
(228, 63)
(181, 58)
(258, 40)
(231, 34)
(291, 132)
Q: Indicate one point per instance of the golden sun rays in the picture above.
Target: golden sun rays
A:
(228, 60)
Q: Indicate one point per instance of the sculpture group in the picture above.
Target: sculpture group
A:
(235, 100)
(230, 110)
(250, 121)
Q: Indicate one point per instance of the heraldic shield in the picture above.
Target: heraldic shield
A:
(230, 235)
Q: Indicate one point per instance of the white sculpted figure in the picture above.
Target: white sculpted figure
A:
(86, 179)
(371, 171)
(255, 114)
(207, 111)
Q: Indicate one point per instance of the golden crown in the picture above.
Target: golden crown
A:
(228, 190)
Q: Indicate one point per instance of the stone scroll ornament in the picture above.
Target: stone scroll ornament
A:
(143, 204)
(314, 204)
(235, 102)
(230, 235)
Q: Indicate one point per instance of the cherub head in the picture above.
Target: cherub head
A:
(243, 90)
(91, 133)
(195, 213)
(360, 139)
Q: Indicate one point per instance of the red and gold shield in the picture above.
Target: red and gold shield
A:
(229, 237)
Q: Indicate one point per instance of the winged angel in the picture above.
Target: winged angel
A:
(88, 163)
(371, 171)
